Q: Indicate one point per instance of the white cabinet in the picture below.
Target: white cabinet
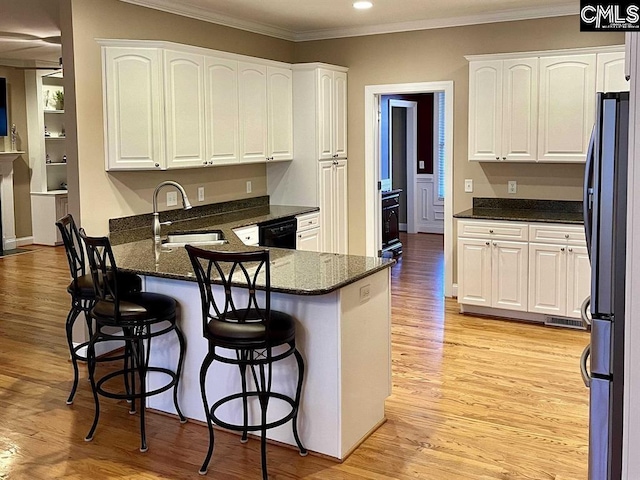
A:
(332, 114)
(610, 73)
(308, 232)
(222, 111)
(492, 272)
(133, 97)
(333, 206)
(560, 272)
(175, 106)
(184, 109)
(249, 235)
(47, 207)
(503, 110)
(567, 107)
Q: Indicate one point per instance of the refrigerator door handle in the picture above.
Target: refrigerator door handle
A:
(587, 199)
(585, 313)
(586, 378)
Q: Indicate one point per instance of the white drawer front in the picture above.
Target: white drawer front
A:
(249, 235)
(495, 230)
(308, 221)
(564, 234)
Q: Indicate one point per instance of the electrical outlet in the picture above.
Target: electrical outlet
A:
(512, 186)
(172, 199)
(468, 185)
(201, 194)
(248, 186)
(365, 293)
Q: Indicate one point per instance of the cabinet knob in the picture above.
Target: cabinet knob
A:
(488, 243)
(299, 236)
(495, 244)
(210, 162)
(504, 158)
(566, 235)
(157, 164)
(497, 158)
(490, 231)
(562, 249)
(570, 249)
(204, 163)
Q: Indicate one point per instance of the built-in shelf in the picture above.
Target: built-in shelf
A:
(55, 138)
(51, 192)
(5, 155)
(53, 111)
(56, 163)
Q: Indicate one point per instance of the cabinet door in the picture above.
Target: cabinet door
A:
(280, 108)
(567, 107)
(474, 271)
(133, 102)
(340, 114)
(578, 279)
(520, 110)
(547, 279)
(221, 99)
(308, 240)
(184, 109)
(325, 114)
(509, 275)
(253, 112)
(485, 110)
(341, 225)
(327, 205)
(610, 75)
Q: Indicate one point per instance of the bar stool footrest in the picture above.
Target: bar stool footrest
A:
(252, 428)
(128, 396)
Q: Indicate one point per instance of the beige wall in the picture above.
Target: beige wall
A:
(438, 55)
(21, 172)
(102, 195)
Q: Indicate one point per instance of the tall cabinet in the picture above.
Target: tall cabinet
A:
(317, 176)
(47, 153)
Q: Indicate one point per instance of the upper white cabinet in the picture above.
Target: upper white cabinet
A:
(538, 106)
(503, 109)
(133, 100)
(184, 109)
(567, 107)
(332, 114)
(610, 73)
(222, 111)
(175, 106)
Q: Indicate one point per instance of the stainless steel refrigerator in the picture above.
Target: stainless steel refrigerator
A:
(605, 212)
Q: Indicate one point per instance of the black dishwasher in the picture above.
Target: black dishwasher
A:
(278, 233)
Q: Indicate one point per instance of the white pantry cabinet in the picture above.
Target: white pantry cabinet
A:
(333, 206)
(492, 269)
(177, 106)
(503, 110)
(560, 272)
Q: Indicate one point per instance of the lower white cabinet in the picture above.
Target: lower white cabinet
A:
(249, 235)
(333, 206)
(47, 207)
(536, 268)
(493, 273)
(308, 232)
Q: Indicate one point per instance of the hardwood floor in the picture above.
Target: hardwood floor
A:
(473, 398)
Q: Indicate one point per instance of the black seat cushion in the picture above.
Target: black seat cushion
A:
(127, 283)
(136, 308)
(282, 329)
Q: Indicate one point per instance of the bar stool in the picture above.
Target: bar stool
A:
(141, 317)
(82, 293)
(252, 332)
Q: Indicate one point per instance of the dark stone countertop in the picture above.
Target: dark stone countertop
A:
(292, 271)
(522, 210)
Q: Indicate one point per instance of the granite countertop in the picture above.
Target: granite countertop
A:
(521, 210)
(292, 271)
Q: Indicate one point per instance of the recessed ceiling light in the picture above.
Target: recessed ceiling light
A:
(362, 5)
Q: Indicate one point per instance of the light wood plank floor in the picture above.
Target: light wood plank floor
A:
(472, 398)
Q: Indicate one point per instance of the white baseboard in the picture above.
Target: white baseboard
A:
(403, 227)
(21, 242)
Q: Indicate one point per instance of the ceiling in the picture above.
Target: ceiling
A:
(30, 32)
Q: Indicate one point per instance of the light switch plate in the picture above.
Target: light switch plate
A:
(365, 293)
(172, 199)
(201, 194)
(421, 163)
(512, 186)
(468, 185)
(248, 186)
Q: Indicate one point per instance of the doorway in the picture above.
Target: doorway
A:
(373, 101)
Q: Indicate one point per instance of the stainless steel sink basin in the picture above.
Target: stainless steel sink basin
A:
(211, 237)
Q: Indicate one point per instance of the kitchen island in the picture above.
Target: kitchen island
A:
(343, 308)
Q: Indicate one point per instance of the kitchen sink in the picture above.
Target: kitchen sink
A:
(199, 238)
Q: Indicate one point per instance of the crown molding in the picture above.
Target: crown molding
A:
(170, 6)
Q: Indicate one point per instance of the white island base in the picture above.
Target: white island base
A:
(344, 337)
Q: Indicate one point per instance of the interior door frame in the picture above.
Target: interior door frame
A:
(411, 111)
(372, 94)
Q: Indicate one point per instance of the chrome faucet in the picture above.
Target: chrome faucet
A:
(155, 221)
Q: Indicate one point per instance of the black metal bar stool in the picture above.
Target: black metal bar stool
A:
(141, 317)
(83, 296)
(258, 335)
